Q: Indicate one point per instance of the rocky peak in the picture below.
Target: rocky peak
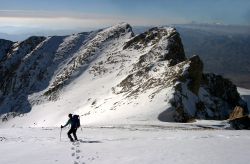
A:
(150, 37)
(164, 43)
(92, 49)
(115, 31)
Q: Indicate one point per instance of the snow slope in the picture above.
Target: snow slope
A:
(124, 145)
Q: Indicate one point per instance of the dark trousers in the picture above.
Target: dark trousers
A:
(72, 130)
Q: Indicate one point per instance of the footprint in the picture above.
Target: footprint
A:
(73, 154)
(76, 144)
(78, 151)
(91, 159)
(77, 157)
(75, 162)
(72, 148)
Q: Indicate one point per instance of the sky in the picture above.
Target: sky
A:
(20, 16)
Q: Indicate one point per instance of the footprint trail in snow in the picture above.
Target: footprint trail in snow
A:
(77, 154)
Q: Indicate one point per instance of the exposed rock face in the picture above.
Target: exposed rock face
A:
(5, 47)
(237, 113)
(222, 88)
(239, 119)
(12, 60)
(148, 70)
(240, 123)
(185, 101)
(167, 41)
(166, 49)
(195, 74)
(219, 96)
(13, 79)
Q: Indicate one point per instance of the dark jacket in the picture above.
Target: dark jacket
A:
(72, 122)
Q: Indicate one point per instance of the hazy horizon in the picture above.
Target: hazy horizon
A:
(27, 16)
(21, 19)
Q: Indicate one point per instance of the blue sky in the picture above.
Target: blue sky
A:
(89, 14)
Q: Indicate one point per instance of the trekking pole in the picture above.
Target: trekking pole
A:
(60, 134)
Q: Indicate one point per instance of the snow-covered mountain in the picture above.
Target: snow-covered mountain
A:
(109, 75)
(224, 49)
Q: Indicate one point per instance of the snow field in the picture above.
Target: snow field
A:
(133, 144)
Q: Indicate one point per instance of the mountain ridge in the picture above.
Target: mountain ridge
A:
(115, 72)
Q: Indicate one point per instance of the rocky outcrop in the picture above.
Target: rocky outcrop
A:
(237, 113)
(14, 80)
(222, 88)
(240, 123)
(186, 91)
(165, 42)
(218, 97)
(166, 49)
(239, 119)
(195, 94)
(13, 59)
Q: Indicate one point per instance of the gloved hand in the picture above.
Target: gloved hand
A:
(61, 126)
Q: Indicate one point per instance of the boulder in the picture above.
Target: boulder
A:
(238, 112)
(240, 123)
(238, 119)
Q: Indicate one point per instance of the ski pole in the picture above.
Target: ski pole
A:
(60, 134)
